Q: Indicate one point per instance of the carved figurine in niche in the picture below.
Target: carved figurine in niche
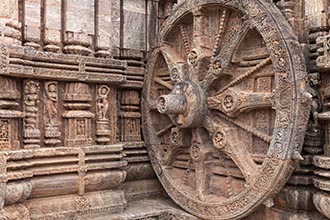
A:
(51, 103)
(102, 102)
(52, 131)
(31, 104)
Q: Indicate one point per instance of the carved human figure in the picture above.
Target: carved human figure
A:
(102, 102)
(31, 102)
(51, 103)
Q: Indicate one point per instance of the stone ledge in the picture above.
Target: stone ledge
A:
(150, 209)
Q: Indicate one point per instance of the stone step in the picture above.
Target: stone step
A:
(148, 209)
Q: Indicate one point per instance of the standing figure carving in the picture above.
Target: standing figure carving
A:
(51, 103)
(102, 108)
(31, 120)
(52, 132)
(102, 102)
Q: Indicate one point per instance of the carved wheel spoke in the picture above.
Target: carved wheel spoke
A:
(200, 153)
(226, 139)
(224, 91)
(232, 102)
(222, 57)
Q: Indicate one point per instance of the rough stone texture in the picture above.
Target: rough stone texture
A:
(217, 102)
(71, 76)
(134, 24)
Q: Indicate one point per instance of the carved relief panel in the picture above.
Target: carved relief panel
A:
(130, 117)
(59, 132)
(31, 105)
(51, 114)
(78, 118)
(219, 98)
(9, 115)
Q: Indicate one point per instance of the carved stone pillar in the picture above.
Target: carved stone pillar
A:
(52, 32)
(32, 10)
(78, 35)
(103, 33)
(130, 117)
(10, 26)
(31, 108)
(78, 130)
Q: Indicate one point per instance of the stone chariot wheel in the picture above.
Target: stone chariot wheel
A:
(225, 106)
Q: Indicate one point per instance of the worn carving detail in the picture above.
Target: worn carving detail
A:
(31, 103)
(4, 135)
(323, 61)
(102, 123)
(9, 116)
(4, 57)
(234, 95)
(52, 131)
(130, 117)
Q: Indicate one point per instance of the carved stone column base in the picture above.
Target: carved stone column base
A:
(52, 48)
(78, 50)
(52, 135)
(102, 131)
(103, 53)
(34, 45)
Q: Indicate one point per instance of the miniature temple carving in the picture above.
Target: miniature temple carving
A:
(130, 117)
(9, 115)
(78, 118)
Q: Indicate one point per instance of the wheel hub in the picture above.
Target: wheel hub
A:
(186, 104)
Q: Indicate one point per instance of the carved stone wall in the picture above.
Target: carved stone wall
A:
(71, 74)
(71, 145)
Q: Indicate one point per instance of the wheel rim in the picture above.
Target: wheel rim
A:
(224, 110)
